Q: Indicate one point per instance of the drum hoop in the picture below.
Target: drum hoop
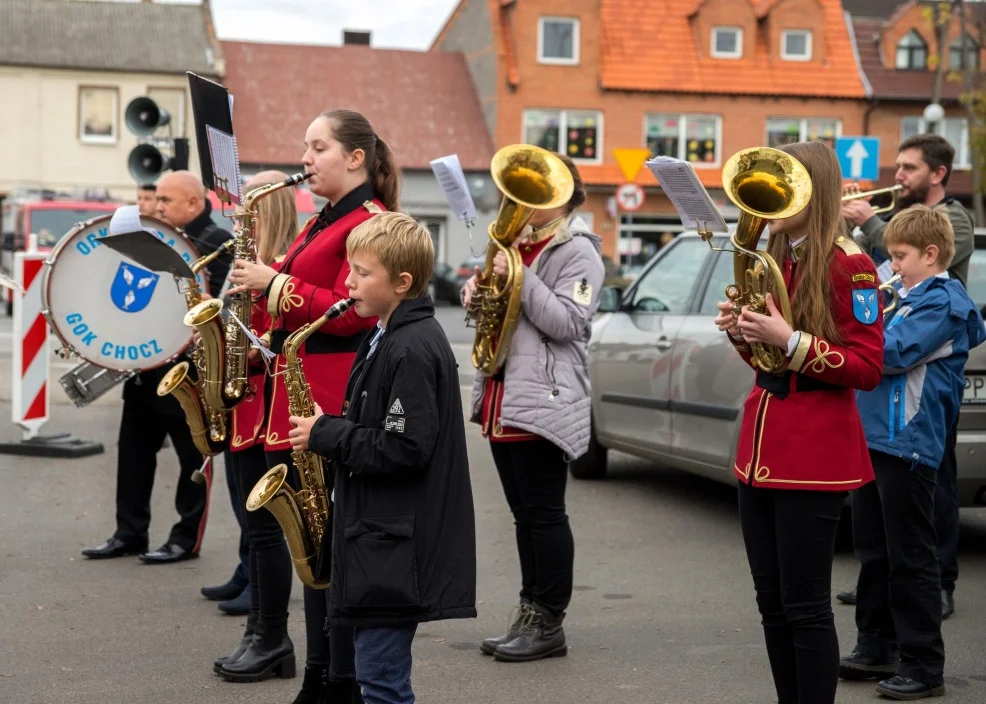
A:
(53, 257)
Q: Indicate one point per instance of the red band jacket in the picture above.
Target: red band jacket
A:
(312, 278)
(801, 428)
(247, 417)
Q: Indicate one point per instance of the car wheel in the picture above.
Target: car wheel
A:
(591, 465)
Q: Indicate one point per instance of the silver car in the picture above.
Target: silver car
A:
(667, 385)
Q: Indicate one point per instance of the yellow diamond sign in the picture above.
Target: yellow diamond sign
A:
(630, 161)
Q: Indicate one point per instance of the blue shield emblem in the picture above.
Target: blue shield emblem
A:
(866, 305)
(132, 288)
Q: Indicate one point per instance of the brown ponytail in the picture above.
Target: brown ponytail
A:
(353, 131)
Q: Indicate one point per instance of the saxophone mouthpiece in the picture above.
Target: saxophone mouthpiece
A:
(339, 308)
(297, 178)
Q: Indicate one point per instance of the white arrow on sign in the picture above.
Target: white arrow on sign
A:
(857, 154)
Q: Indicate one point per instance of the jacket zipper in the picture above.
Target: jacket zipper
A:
(549, 368)
(757, 432)
(895, 411)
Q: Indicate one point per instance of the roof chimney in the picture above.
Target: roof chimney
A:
(353, 37)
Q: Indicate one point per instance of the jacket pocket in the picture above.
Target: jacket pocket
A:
(381, 564)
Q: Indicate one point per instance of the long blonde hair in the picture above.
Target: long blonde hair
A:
(277, 217)
(810, 304)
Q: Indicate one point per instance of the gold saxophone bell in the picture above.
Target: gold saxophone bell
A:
(852, 192)
(209, 432)
(765, 184)
(889, 287)
(530, 178)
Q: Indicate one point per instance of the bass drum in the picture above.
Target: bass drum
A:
(110, 311)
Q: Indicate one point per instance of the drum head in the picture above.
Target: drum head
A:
(111, 311)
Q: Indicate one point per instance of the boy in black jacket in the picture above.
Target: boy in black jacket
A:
(403, 539)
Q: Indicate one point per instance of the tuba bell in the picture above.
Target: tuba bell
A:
(765, 184)
(530, 178)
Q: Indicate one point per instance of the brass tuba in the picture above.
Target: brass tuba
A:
(530, 178)
(303, 515)
(208, 425)
(765, 184)
(225, 347)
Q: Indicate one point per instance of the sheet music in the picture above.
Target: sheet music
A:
(686, 192)
(126, 219)
(452, 179)
(254, 340)
(225, 164)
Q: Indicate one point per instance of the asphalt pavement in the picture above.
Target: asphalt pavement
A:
(663, 609)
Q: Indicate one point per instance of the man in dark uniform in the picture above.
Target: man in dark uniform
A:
(148, 419)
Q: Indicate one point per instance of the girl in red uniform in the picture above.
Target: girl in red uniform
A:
(801, 445)
(265, 649)
(355, 170)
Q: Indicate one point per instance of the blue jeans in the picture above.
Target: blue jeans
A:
(383, 664)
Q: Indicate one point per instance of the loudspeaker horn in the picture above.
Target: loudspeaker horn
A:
(143, 116)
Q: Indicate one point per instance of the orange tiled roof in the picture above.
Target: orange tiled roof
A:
(611, 175)
(651, 46)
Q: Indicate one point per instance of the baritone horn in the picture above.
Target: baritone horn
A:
(765, 184)
(889, 287)
(852, 192)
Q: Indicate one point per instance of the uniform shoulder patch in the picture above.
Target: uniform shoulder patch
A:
(396, 409)
(870, 278)
(848, 245)
(865, 305)
(372, 207)
(582, 293)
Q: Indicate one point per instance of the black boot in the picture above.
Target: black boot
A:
(341, 691)
(513, 629)
(312, 687)
(269, 654)
(240, 649)
(541, 636)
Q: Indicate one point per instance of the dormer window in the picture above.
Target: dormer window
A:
(558, 41)
(963, 53)
(796, 45)
(727, 42)
(912, 52)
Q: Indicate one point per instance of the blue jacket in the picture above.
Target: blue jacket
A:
(926, 345)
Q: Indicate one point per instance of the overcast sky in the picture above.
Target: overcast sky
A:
(407, 24)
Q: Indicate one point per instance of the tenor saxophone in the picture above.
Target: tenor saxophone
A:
(226, 346)
(208, 425)
(303, 514)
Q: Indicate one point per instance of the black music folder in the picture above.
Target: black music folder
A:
(213, 117)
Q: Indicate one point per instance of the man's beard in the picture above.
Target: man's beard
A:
(917, 194)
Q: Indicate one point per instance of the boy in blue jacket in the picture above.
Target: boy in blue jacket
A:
(906, 418)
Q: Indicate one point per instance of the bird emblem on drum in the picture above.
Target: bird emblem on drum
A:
(132, 288)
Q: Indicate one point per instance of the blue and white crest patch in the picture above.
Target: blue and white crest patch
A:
(132, 288)
(866, 305)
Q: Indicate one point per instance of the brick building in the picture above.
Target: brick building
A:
(695, 79)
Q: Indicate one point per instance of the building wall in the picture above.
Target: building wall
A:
(41, 121)
(471, 32)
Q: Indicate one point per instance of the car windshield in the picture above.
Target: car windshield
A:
(51, 225)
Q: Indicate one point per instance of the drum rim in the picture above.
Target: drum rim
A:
(46, 286)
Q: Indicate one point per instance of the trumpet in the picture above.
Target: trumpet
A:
(852, 192)
(888, 286)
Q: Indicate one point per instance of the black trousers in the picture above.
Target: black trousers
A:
(237, 500)
(142, 433)
(270, 561)
(790, 544)
(947, 513)
(327, 648)
(898, 604)
(534, 475)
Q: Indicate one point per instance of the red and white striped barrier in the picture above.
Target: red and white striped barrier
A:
(29, 370)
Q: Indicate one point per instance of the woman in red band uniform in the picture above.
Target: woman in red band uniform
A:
(355, 170)
(801, 445)
(265, 648)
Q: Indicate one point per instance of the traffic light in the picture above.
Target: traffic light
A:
(147, 162)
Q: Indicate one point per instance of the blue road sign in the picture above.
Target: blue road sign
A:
(859, 157)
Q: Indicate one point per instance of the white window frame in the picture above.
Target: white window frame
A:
(563, 131)
(576, 40)
(93, 138)
(802, 126)
(808, 45)
(682, 138)
(738, 54)
(963, 155)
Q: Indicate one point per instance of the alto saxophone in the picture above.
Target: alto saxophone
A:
(226, 346)
(208, 425)
(303, 514)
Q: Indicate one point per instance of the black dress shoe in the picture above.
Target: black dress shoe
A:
(905, 689)
(114, 547)
(860, 666)
(489, 646)
(847, 597)
(169, 552)
(223, 592)
(268, 655)
(238, 606)
(541, 636)
(947, 604)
